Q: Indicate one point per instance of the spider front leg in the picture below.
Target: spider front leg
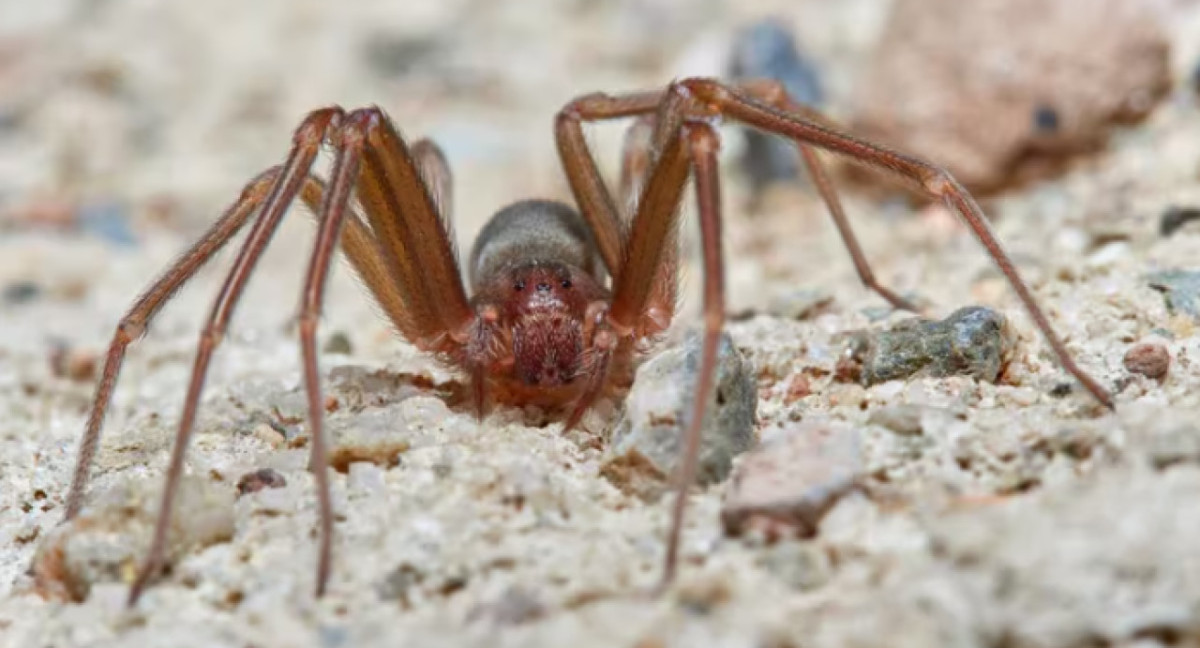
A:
(420, 296)
(406, 259)
(143, 311)
(287, 184)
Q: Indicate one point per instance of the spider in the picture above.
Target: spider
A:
(563, 300)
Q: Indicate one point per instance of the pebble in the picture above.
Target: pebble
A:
(972, 341)
(253, 482)
(1180, 289)
(646, 444)
(785, 487)
(1175, 217)
(514, 606)
(21, 292)
(339, 342)
(1149, 359)
(78, 365)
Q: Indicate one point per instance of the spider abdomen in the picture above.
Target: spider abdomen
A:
(533, 230)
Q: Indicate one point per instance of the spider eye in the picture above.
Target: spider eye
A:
(519, 286)
(566, 283)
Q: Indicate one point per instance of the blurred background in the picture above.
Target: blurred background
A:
(161, 110)
(127, 125)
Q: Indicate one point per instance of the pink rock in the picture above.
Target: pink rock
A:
(785, 487)
(999, 91)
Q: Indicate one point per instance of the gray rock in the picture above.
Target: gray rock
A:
(647, 443)
(338, 342)
(20, 292)
(767, 50)
(972, 341)
(514, 606)
(1175, 217)
(1180, 289)
(252, 482)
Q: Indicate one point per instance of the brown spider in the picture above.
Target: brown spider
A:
(543, 324)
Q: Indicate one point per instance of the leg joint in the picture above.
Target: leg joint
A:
(708, 92)
(308, 321)
(130, 329)
(577, 108)
(938, 182)
(318, 122)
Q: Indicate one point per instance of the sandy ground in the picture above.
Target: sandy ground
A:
(1018, 515)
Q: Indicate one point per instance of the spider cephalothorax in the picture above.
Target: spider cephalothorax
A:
(539, 284)
(561, 299)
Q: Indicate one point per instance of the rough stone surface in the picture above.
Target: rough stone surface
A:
(996, 90)
(646, 443)
(972, 342)
(1072, 591)
(107, 541)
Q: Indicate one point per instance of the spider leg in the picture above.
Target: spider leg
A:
(637, 160)
(291, 177)
(435, 171)
(405, 194)
(773, 93)
(348, 151)
(356, 241)
(139, 316)
(273, 191)
(688, 109)
(820, 178)
(595, 202)
(415, 240)
(649, 247)
(928, 178)
(703, 143)
(370, 157)
(362, 250)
